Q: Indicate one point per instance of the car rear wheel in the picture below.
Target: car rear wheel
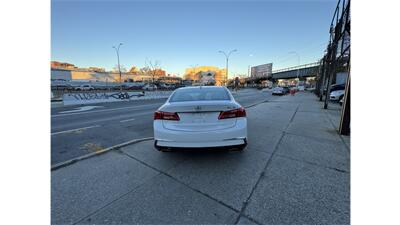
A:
(162, 149)
(239, 147)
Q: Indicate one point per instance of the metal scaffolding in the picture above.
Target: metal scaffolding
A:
(337, 59)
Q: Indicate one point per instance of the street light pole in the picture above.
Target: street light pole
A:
(119, 67)
(227, 62)
(298, 65)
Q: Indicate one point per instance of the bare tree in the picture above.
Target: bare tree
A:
(153, 67)
(144, 70)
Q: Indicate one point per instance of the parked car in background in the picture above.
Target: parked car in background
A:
(200, 117)
(174, 86)
(61, 87)
(60, 84)
(150, 87)
(84, 87)
(181, 85)
(336, 95)
(134, 85)
(116, 87)
(286, 90)
(300, 88)
(164, 86)
(335, 87)
(278, 91)
(310, 89)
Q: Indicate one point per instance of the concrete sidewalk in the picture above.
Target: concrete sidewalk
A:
(295, 170)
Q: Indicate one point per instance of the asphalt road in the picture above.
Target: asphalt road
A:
(98, 126)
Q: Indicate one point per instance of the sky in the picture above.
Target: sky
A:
(180, 34)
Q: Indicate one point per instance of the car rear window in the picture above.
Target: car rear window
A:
(200, 94)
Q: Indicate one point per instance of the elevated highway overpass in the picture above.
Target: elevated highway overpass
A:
(302, 71)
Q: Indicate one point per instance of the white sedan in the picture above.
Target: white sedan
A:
(149, 87)
(200, 117)
(278, 91)
(336, 95)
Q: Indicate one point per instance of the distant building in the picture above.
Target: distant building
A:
(84, 75)
(158, 72)
(62, 65)
(96, 69)
(61, 75)
(69, 72)
(202, 73)
(134, 70)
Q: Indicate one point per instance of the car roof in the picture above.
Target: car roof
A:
(202, 87)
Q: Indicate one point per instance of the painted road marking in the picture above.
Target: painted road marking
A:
(106, 110)
(127, 120)
(148, 115)
(80, 109)
(73, 130)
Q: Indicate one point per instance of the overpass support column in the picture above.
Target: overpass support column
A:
(344, 128)
(323, 77)
(332, 64)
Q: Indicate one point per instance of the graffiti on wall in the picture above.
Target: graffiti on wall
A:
(112, 95)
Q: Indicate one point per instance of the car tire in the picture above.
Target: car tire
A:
(241, 147)
(238, 148)
(161, 149)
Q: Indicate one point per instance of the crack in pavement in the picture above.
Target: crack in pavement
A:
(312, 163)
(179, 181)
(247, 201)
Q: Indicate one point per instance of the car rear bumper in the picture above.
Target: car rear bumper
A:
(231, 143)
(233, 136)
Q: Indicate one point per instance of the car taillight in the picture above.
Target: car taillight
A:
(159, 115)
(241, 112)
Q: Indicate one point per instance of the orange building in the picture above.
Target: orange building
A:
(62, 65)
(195, 74)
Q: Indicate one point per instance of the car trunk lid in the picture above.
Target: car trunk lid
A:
(199, 116)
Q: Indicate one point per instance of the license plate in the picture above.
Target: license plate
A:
(198, 118)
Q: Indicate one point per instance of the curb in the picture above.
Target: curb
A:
(90, 155)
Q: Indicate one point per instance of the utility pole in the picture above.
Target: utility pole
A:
(119, 67)
(332, 64)
(248, 71)
(227, 62)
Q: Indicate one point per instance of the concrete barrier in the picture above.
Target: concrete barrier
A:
(99, 97)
